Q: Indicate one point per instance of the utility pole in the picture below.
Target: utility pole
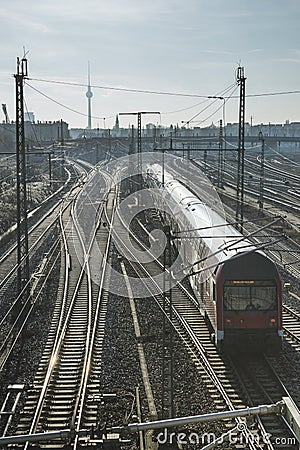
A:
(167, 400)
(131, 145)
(50, 169)
(154, 137)
(205, 161)
(262, 172)
(139, 139)
(189, 152)
(23, 275)
(137, 181)
(62, 133)
(109, 142)
(97, 152)
(62, 148)
(220, 157)
(241, 151)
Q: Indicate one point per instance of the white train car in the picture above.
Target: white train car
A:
(238, 287)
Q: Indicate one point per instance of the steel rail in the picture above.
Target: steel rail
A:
(58, 204)
(85, 375)
(59, 339)
(200, 351)
(5, 354)
(62, 329)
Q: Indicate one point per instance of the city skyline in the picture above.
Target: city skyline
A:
(191, 49)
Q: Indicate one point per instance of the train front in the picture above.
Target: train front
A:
(249, 303)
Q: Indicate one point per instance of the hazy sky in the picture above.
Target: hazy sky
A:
(186, 47)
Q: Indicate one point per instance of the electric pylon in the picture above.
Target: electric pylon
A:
(23, 275)
(241, 152)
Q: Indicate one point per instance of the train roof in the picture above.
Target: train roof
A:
(223, 240)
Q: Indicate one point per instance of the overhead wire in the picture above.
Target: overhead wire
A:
(185, 109)
(222, 93)
(206, 97)
(108, 117)
(221, 97)
(111, 88)
(146, 91)
(104, 118)
(63, 105)
(200, 103)
(200, 112)
(282, 156)
(216, 98)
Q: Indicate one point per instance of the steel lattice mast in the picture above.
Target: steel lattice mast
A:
(23, 274)
(241, 151)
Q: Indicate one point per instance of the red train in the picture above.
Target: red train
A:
(238, 287)
(245, 310)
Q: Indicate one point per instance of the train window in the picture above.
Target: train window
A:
(259, 296)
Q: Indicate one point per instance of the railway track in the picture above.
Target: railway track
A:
(14, 324)
(276, 194)
(36, 235)
(276, 182)
(43, 242)
(223, 384)
(259, 382)
(66, 386)
(65, 392)
(291, 326)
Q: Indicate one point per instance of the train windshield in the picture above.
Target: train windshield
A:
(250, 295)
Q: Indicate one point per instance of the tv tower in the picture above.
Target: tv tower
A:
(89, 95)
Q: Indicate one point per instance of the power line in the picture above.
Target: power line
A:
(146, 91)
(214, 101)
(108, 117)
(111, 88)
(103, 118)
(269, 94)
(283, 157)
(201, 103)
(185, 109)
(63, 105)
(222, 93)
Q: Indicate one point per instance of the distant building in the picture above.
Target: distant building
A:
(117, 126)
(47, 131)
(29, 117)
(35, 133)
